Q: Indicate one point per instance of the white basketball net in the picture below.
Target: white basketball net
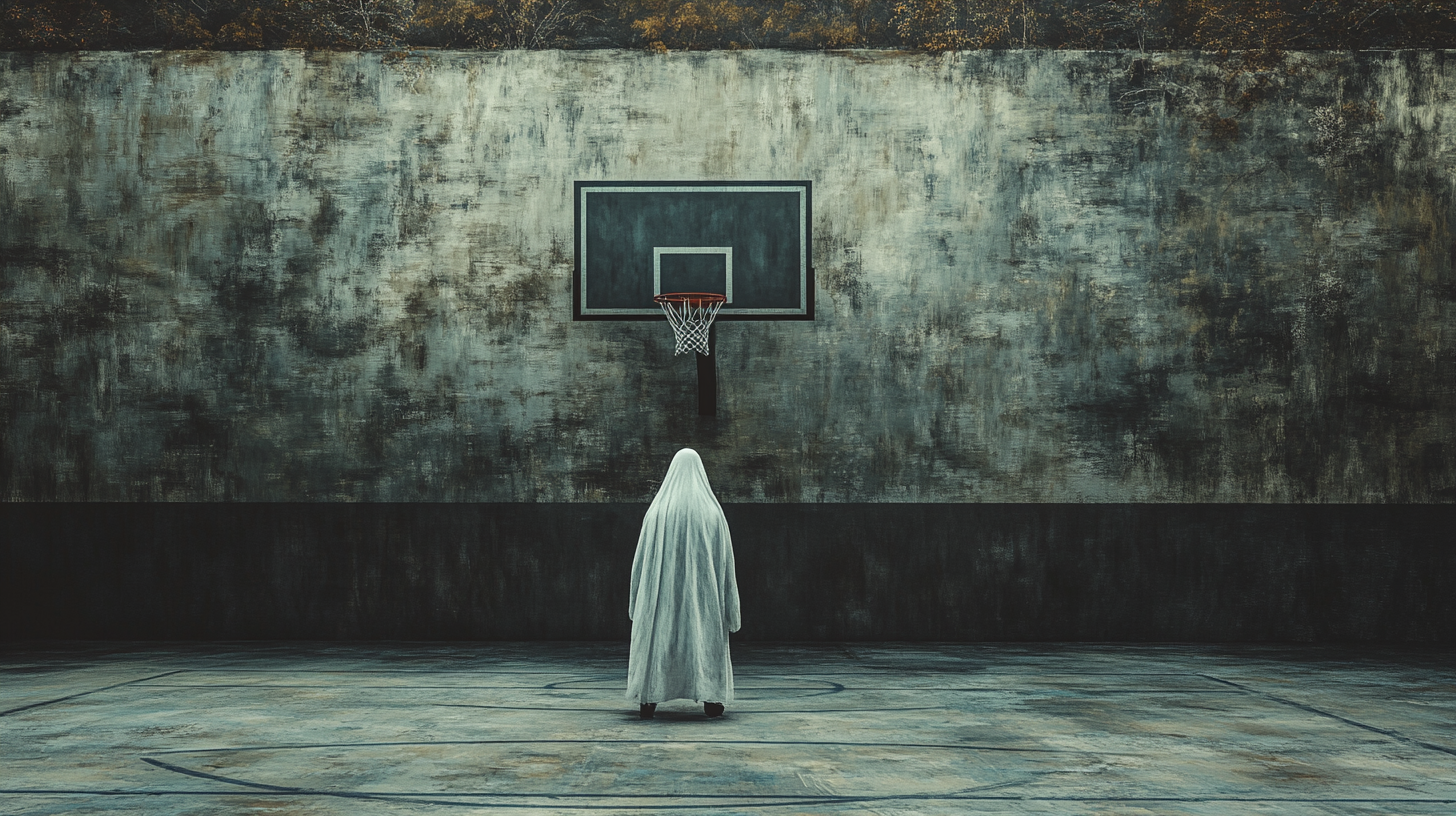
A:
(691, 323)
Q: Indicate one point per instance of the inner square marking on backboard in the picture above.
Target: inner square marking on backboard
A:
(726, 252)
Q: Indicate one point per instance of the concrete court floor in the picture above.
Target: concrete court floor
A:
(369, 728)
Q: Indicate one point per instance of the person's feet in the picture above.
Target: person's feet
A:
(647, 710)
(713, 709)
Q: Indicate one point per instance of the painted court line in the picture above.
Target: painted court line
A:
(735, 712)
(84, 693)
(1395, 735)
(820, 743)
(715, 800)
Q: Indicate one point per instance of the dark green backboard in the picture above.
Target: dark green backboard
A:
(748, 240)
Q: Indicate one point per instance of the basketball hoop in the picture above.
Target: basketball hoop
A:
(691, 315)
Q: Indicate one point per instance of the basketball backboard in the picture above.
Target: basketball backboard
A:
(747, 240)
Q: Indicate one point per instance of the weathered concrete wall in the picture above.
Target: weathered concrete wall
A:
(1050, 277)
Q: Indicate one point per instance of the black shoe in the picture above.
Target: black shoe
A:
(646, 710)
(713, 709)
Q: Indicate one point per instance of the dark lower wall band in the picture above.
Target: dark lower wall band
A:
(806, 572)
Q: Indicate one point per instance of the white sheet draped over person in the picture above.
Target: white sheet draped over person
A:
(684, 599)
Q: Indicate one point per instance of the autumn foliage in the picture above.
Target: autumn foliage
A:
(1244, 26)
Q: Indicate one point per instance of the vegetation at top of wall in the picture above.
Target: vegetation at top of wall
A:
(1254, 26)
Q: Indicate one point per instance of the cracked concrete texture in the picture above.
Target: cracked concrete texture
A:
(1042, 276)
(874, 728)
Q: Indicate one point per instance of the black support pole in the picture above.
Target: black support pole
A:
(708, 377)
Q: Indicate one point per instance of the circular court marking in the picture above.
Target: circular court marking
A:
(614, 774)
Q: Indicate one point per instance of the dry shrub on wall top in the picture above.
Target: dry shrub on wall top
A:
(931, 25)
(1263, 26)
(226, 24)
(934, 25)
(1109, 24)
(266, 24)
(219, 24)
(1248, 25)
(672, 25)
(832, 24)
(61, 25)
(454, 23)
(666, 25)
(1232, 27)
(348, 24)
(951, 25)
(1228, 26)
(1388, 23)
(1276, 25)
(252, 24)
(497, 23)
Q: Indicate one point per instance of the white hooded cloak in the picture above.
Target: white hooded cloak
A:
(684, 598)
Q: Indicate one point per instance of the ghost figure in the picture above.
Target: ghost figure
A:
(684, 598)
